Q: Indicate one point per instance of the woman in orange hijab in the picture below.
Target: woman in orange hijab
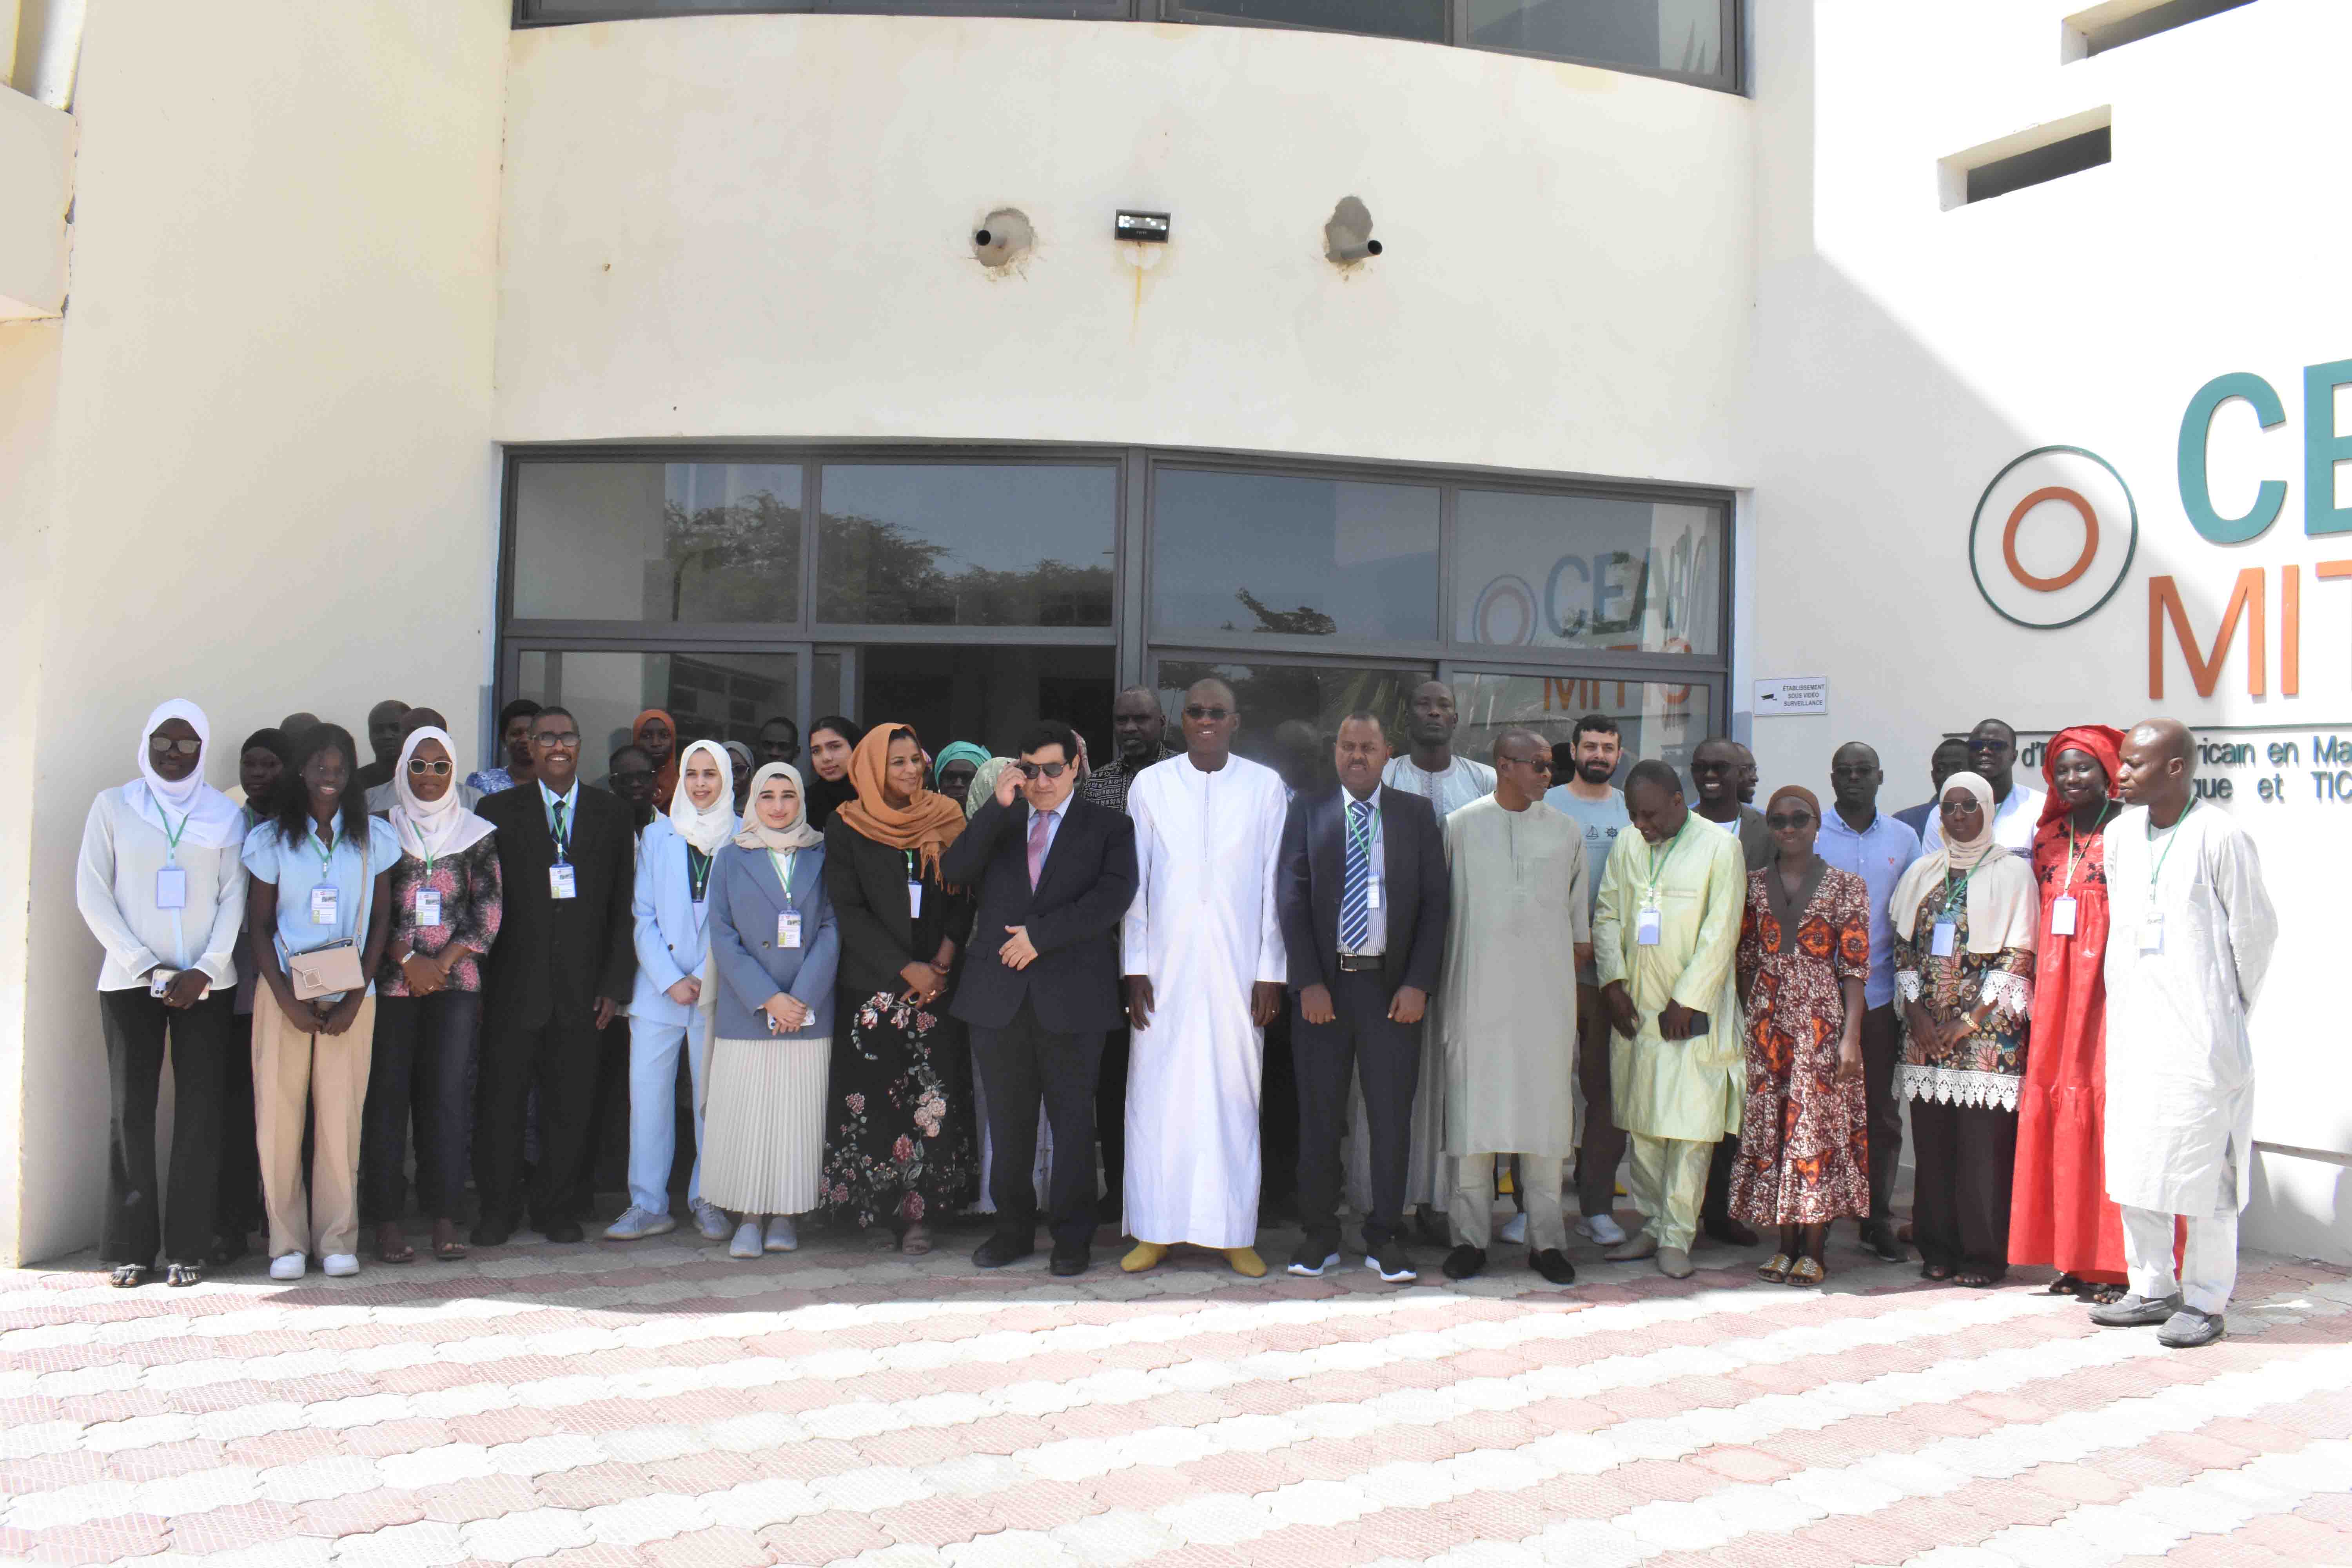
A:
(656, 734)
(899, 1141)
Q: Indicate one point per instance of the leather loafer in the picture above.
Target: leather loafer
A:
(566, 1229)
(489, 1231)
(999, 1250)
(1464, 1262)
(2189, 1328)
(2136, 1312)
(1068, 1261)
(1553, 1265)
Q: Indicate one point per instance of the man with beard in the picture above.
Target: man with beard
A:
(1595, 748)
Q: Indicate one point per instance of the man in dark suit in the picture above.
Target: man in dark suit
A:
(563, 960)
(1364, 894)
(1041, 986)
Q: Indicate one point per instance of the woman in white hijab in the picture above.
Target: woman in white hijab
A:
(1965, 916)
(445, 903)
(774, 949)
(162, 888)
(669, 1010)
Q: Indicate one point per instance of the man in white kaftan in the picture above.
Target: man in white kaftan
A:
(2190, 936)
(1206, 969)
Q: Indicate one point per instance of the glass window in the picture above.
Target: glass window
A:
(713, 696)
(657, 542)
(1588, 572)
(1656, 717)
(1421, 19)
(952, 544)
(986, 695)
(1291, 712)
(1271, 552)
(1685, 37)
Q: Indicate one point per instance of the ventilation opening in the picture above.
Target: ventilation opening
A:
(2121, 22)
(2033, 157)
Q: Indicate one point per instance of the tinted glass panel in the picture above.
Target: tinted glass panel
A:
(713, 696)
(657, 542)
(1655, 719)
(1683, 36)
(1291, 712)
(986, 695)
(1588, 572)
(1422, 19)
(967, 545)
(1263, 552)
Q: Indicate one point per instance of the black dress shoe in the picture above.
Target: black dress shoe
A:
(492, 1232)
(1553, 1265)
(1878, 1238)
(1729, 1231)
(1000, 1250)
(1464, 1262)
(565, 1229)
(1071, 1258)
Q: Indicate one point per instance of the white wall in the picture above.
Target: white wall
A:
(760, 226)
(275, 483)
(1906, 352)
(36, 189)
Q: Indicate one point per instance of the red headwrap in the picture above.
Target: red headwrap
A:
(2102, 742)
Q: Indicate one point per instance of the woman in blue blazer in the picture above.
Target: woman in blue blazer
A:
(669, 1011)
(774, 949)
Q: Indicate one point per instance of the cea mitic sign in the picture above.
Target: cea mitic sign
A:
(2272, 766)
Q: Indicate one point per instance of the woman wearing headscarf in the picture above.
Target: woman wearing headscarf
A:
(654, 734)
(160, 887)
(1804, 954)
(445, 903)
(775, 949)
(959, 762)
(669, 1011)
(2059, 1214)
(900, 1147)
(830, 742)
(1964, 916)
(320, 891)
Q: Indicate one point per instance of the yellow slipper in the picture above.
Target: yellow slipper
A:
(1147, 1255)
(1246, 1261)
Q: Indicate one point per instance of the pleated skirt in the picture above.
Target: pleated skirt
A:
(763, 1125)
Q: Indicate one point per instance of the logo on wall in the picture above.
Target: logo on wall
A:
(1505, 613)
(2053, 536)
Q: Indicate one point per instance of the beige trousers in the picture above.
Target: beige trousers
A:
(1668, 1181)
(1472, 1208)
(290, 1069)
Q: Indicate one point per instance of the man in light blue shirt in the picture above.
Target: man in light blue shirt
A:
(1857, 836)
(1598, 807)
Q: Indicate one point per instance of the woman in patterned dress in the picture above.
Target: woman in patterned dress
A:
(1965, 918)
(1804, 952)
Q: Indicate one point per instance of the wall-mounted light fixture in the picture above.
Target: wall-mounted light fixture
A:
(1150, 228)
(1347, 236)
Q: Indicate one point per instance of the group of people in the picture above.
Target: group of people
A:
(882, 978)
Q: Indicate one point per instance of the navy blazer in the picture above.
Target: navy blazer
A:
(1416, 893)
(744, 900)
(1072, 917)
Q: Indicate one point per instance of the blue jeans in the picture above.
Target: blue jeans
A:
(653, 1109)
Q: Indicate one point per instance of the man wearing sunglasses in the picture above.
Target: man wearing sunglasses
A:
(1040, 985)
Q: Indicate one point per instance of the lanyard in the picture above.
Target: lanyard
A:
(782, 859)
(911, 875)
(2158, 869)
(1658, 868)
(172, 835)
(326, 854)
(1362, 838)
(560, 830)
(1952, 893)
(698, 872)
(2068, 885)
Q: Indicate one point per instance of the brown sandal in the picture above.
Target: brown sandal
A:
(1774, 1270)
(1807, 1271)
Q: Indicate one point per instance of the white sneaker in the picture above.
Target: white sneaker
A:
(288, 1266)
(1600, 1229)
(712, 1221)
(341, 1265)
(782, 1236)
(1515, 1229)
(637, 1223)
(747, 1242)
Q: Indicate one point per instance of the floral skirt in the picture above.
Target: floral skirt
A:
(898, 1143)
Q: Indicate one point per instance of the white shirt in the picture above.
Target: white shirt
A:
(2014, 822)
(115, 887)
(1376, 930)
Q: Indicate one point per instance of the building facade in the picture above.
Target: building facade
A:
(642, 357)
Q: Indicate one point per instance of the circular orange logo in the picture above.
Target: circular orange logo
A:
(2052, 537)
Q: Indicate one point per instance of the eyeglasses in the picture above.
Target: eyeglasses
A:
(643, 775)
(164, 745)
(1051, 770)
(1214, 715)
(418, 766)
(567, 740)
(1781, 819)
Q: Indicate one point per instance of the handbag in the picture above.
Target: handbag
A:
(333, 969)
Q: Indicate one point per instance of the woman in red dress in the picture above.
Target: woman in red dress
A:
(2059, 1214)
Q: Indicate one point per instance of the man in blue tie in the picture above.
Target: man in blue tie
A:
(1362, 892)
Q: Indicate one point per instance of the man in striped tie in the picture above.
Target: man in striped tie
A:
(1363, 895)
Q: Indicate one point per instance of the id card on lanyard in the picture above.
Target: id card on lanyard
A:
(1945, 939)
(2062, 909)
(1650, 923)
(171, 880)
(325, 898)
(562, 881)
(2151, 922)
(788, 921)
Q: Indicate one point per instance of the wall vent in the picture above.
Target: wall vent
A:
(2121, 22)
(2025, 158)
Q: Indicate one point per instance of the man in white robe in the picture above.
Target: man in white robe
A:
(1206, 969)
(2190, 932)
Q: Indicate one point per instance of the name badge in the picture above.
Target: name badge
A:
(1940, 944)
(1647, 927)
(2061, 917)
(562, 882)
(428, 905)
(1372, 894)
(171, 887)
(914, 901)
(322, 904)
(788, 929)
(2151, 934)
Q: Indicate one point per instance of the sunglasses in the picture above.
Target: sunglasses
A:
(418, 767)
(1214, 715)
(163, 746)
(1051, 770)
(1780, 819)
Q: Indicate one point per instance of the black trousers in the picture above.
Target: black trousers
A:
(1110, 1124)
(1277, 1121)
(1963, 1159)
(1604, 1149)
(604, 1146)
(1881, 1048)
(420, 1072)
(1019, 1064)
(137, 1026)
(236, 1203)
(1717, 1205)
(1361, 1039)
(558, 1058)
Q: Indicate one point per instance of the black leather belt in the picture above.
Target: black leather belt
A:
(1357, 963)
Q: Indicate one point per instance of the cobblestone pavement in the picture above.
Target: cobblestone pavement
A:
(658, 1406)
